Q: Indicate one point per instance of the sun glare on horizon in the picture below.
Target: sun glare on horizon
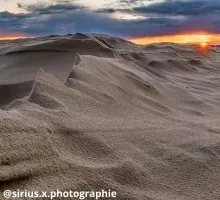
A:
(204, 39)
(12, 36)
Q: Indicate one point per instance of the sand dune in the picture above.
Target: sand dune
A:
(88, 112)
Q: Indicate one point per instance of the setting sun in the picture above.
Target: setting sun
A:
(204, 44)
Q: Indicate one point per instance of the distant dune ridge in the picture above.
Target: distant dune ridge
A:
(90, 112)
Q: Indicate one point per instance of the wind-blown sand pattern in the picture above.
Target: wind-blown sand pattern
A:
(91, 112)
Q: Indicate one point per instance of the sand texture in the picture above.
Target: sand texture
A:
(90, 112)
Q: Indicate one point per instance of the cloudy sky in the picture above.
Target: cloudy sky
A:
(124, 18)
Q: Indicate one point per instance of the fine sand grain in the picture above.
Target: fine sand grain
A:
(90, 112)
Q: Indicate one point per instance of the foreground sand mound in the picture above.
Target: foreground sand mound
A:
(144, 131)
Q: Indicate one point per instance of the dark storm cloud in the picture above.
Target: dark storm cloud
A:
(64, 18)
(174, 7)
(83, 21)
(193, 7)
(11, 22)
(52, 9)
(106, 10)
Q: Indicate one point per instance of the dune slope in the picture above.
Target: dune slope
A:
(143, 121)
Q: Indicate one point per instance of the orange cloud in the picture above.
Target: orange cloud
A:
(195, 38)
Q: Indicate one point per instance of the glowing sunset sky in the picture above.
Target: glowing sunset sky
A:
(198, 38)
(145, 21)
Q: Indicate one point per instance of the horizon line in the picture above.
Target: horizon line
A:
(181, 38)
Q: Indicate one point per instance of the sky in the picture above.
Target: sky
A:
(129, 19)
